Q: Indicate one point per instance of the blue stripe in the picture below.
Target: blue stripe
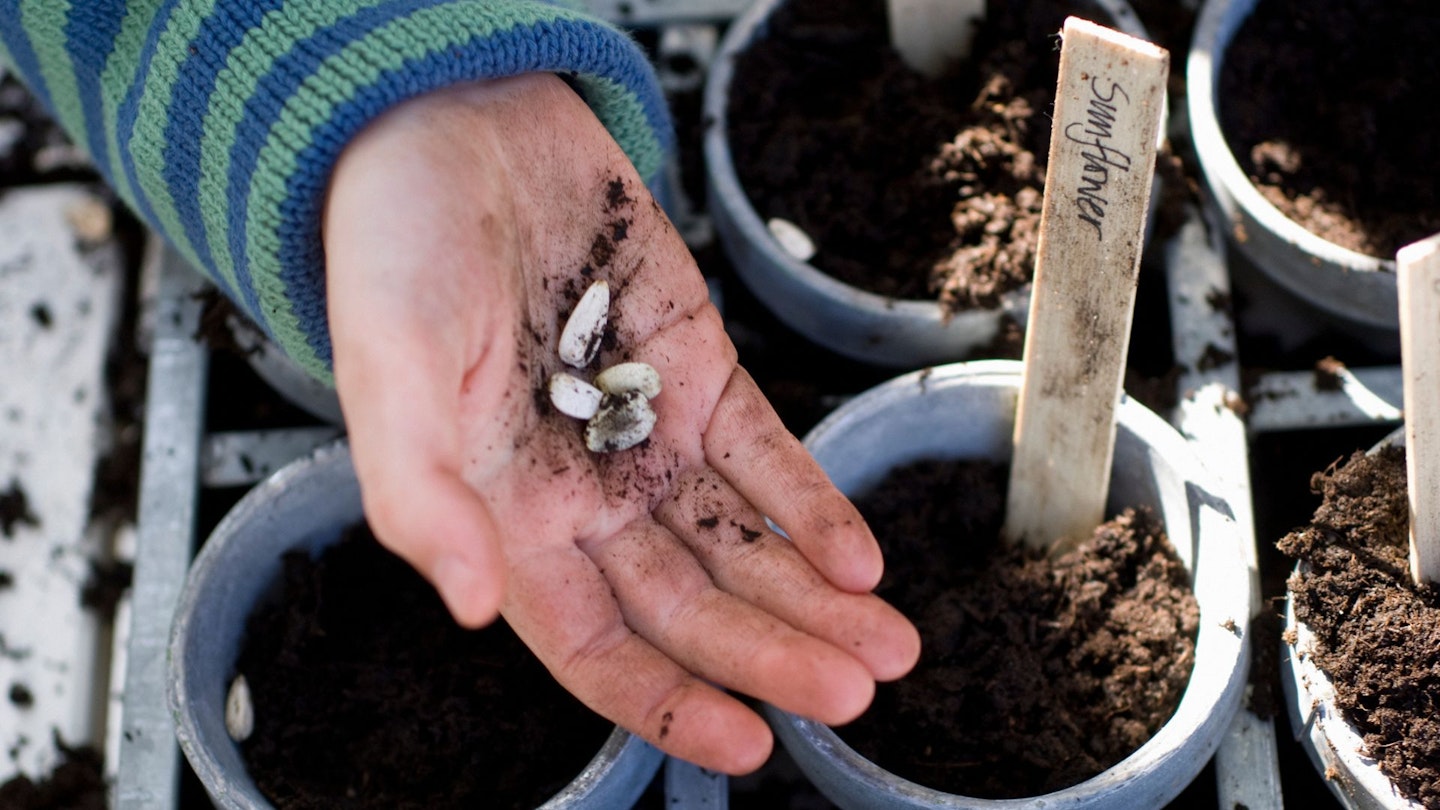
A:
(263, 109)
(90, 34)
(562, 45)
(218, 35)
(22, 53)
(130, 108)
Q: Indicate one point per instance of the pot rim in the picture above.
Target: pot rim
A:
(1222, 656)
(1330, 740)
(621, 754)
(1230, 185)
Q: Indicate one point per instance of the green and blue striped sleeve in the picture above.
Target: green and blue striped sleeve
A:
(219, 121)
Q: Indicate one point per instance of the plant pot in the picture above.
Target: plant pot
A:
(1334, 744)
(966, 411)
(846, 319)
(283, 374)
(1355, 290)
(304, 506)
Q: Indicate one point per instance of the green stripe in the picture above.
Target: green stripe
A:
(358, 64)
(245, 66)
(623, 115)
(335, 81)
(147, 144)
(115, 81)
(44, 22)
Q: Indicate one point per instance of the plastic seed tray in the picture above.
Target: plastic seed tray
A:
(107, 677)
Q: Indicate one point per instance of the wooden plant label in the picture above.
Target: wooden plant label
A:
(1108, 114)
(1418, 277)
(932, 34)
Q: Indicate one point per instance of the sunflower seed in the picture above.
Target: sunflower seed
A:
(239, 711)
(573, 396)
(623, 377)
(792, 240)
(623, 421)
(580, 339)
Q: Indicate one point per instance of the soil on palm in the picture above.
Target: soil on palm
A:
(1373, 627)
(1329, 107)
(368, 695)
(912, 188)
(1035, 673)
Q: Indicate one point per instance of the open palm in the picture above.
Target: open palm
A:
(461, 228)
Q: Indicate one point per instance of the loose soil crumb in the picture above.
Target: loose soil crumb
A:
(910, 187)
(107, 582)
(1035, 674)
(77, 783)
(21, 696)
(15, 510)
(368, 695)
(1328, 372)
(1329, 107)
(1376, 634)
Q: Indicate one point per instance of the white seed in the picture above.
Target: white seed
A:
(623, 377)
(239, 711)
(792, 240)
(580, 339)
(623, 421)
(573, 396)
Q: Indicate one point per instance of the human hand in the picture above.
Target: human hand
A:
(457, 230)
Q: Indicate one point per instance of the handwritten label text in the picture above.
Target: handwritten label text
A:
(1094, 134)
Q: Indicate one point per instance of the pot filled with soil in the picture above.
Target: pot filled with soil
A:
(308, 667)
(1362, 647)
(1104, 675)
(888, 216)
(1312, 124)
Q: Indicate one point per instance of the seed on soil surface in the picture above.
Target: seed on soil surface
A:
(793, 240)
(580, 339)
(634, 376)
(623, 421)
(239, 712)
(573, 396)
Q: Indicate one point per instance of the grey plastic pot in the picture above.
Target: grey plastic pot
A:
(305, 505)
(283, 374)
(847, 320)
(1351, 287)
(966, 411)
(1333, 743)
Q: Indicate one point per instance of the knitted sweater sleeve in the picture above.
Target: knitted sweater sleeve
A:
(219, 121)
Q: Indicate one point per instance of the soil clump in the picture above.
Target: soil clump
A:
(1035, 673)
(1374, 629)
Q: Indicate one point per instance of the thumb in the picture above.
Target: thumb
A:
(403, 438)
(435, 522)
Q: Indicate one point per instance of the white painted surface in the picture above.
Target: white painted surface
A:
(58, 312)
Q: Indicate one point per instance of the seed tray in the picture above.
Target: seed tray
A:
(1247, 397)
